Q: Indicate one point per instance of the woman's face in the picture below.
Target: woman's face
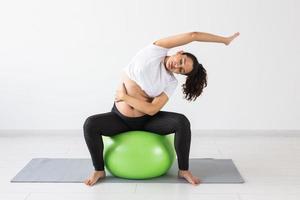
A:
(179, 63)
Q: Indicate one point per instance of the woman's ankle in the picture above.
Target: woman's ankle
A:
(99, 171)
(183, 172)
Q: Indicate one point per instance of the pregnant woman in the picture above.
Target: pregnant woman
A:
(147, 84)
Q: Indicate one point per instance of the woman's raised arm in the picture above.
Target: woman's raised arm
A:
(185, 38)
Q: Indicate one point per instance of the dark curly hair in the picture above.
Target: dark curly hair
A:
(196, 80)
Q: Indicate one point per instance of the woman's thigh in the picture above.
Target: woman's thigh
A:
(165, 122)
(107, 124)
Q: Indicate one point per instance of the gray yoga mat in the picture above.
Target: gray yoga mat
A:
(73, 170)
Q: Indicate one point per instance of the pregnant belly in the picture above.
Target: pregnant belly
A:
(134, 90)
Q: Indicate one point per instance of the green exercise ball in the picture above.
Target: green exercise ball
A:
(138, 154)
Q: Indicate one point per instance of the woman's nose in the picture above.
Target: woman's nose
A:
(176, 63)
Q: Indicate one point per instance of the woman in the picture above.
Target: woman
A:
(147, 84)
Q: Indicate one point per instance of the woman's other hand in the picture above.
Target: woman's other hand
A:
(230, 38)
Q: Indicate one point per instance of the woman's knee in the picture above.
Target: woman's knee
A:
(183, 121)
(88, 124)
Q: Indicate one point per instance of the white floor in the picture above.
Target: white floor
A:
(269, 161)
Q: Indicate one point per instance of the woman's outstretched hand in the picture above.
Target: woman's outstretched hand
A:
(230, 38)
(121, 93)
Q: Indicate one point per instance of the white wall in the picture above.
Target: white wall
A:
(60, 60)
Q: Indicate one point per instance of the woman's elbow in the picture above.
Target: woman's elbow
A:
(193, 34)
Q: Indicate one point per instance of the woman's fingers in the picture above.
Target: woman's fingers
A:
(229, 39)
(124, 88)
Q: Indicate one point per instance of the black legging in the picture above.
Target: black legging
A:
(113, 123)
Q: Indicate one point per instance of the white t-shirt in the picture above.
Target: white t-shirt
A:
(148, 71)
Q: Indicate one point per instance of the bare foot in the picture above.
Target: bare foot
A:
(189, 177)
(230, 38)
(94, 177)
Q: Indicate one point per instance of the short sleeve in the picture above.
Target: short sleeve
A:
(156, 51)
(171, 87)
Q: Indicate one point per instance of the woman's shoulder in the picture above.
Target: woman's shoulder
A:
(153, 50)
